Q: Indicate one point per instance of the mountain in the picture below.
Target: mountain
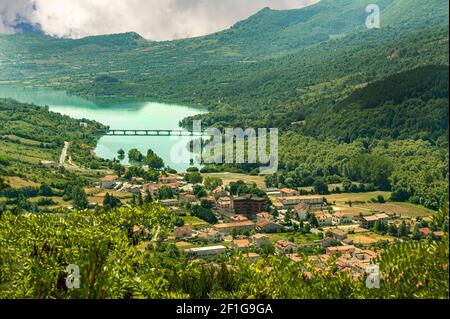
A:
(411, 104)
(265, 35)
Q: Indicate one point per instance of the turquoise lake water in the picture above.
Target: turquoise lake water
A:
(119, 113)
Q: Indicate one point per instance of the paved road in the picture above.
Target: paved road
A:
(62, 159)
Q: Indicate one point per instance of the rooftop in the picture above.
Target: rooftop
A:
(285, 243)
(109, 178)
(196, 249)
(235, 224)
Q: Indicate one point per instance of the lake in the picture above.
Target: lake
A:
(119, 113)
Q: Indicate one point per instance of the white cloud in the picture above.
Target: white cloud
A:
(153, 19)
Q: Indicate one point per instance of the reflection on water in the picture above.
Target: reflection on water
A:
(119, 113)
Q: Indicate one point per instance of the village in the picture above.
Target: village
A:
(217, 221)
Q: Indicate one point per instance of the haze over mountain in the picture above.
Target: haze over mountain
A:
(154, 19)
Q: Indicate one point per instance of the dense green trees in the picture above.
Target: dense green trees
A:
(134, 155)
(110, 202)
(153, 160)
(212, 183)
(96, 242)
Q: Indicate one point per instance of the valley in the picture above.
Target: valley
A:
(363, 164)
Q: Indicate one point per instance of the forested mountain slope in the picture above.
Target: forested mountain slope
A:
(134, 61)
(411, 104)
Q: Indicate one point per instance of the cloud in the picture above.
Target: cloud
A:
(153, 19)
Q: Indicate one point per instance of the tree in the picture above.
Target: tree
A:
(118, 169)
(121, 154)
(400, 194)
(320, 187)
(148, 198)
(193, 178)
(416, 235)
(110, 202)
(45, 190)
(165, 192)
(153, 160)
(203, 213)
(403, 230)
(393, 230)
(3, 184)
(79, 198)
(134, 155)
(199, 191)
(212, 182)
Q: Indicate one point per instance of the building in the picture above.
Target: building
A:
(425, 231)
(285, 247)
(341, 250)
(48, 164)
(251, 257)
(219, 192)
(288, 192)
(365, 255)
(268, 227)
(302, 211)
(337, 233)
(108, 182)
(295, 257)
(261, 240)
(205, 251)
(263, 216)
(312, 201)
(241, 244)
(224, 204)
(240, 227)
(182, 232)
(211, 235)
(249, 205)
(341, 218)
(153, 188)
(171, 179)
(327, 242)
(236, 218)
(186, 197)
(273, 192)
(324, 219)
(169, 202)
(137, 179)
(369, 221)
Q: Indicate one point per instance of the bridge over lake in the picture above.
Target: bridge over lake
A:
(129, 132)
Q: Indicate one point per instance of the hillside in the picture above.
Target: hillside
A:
(134, 61)
(30, 134)
(411, 104)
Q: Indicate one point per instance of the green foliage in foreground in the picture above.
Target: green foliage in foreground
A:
(36, 249)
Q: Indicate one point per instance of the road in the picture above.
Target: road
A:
(62, 159)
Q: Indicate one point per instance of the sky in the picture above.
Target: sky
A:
(152, 19)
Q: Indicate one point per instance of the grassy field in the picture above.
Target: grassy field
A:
(60, 203)
(298, 237)
(361, 205)
(96, 195)
(194, 221)
(234, 177)
(330, 187)
(369, 238)
(26, 153)
(22, 140)
(17, 182)
(355, 197)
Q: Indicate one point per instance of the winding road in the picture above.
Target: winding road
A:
(63, 156)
